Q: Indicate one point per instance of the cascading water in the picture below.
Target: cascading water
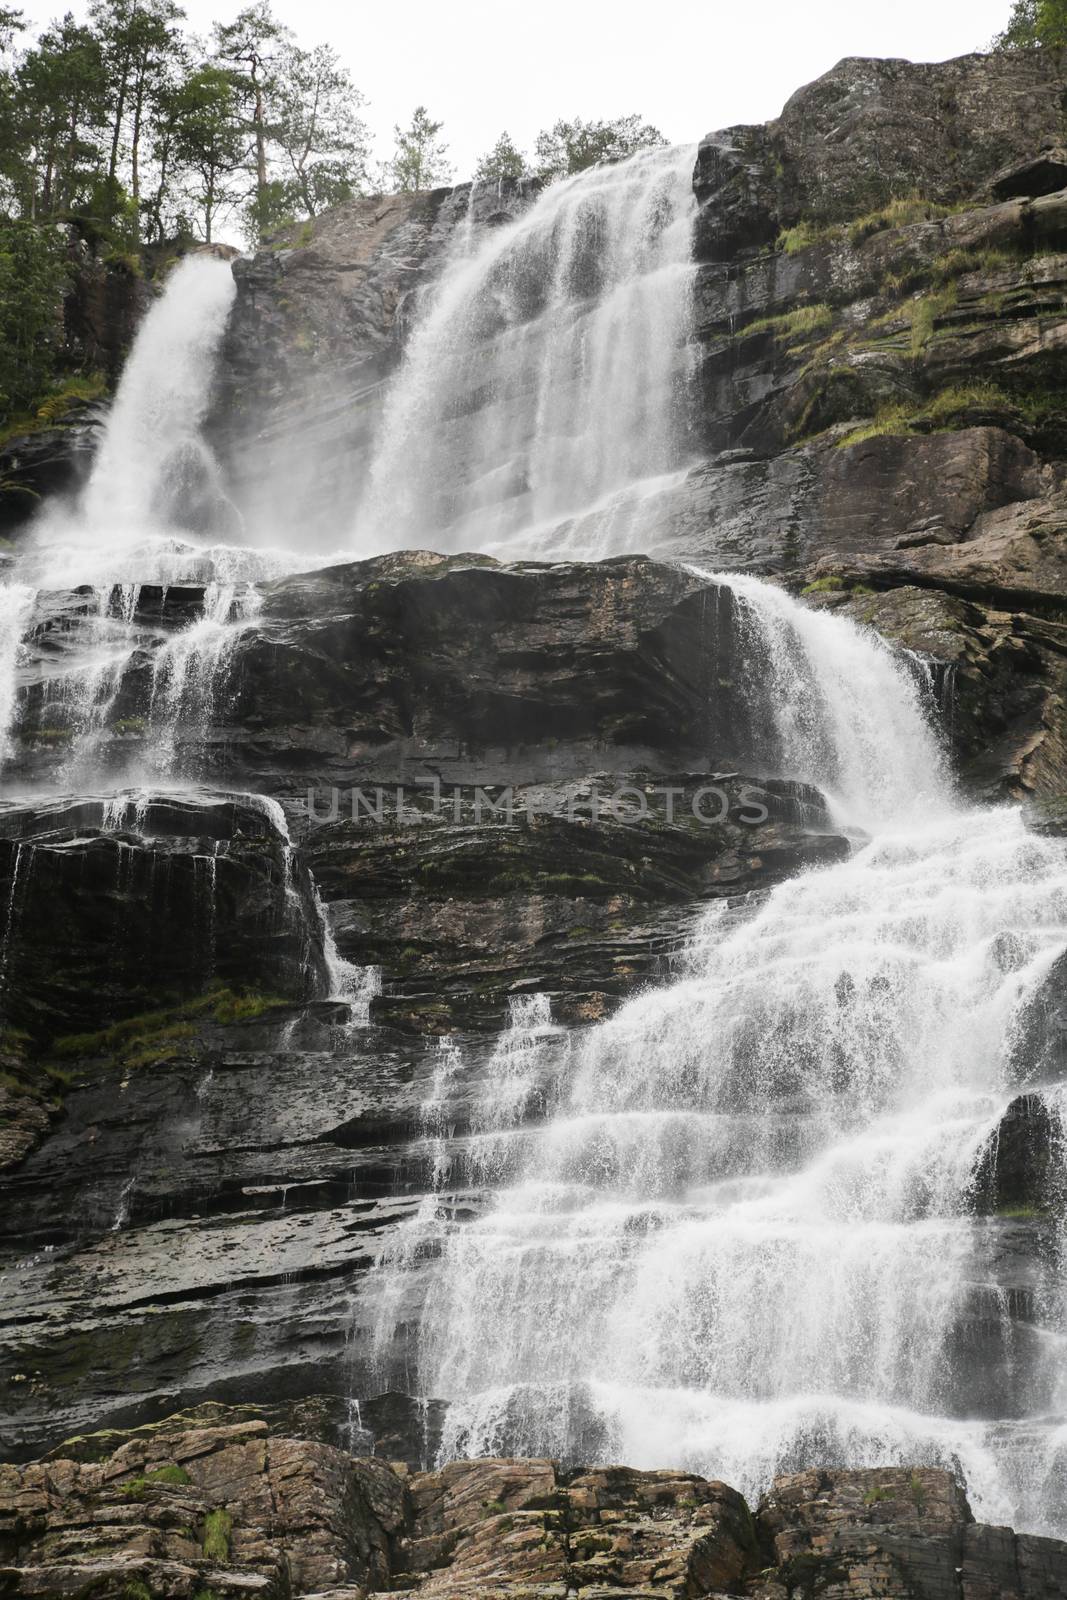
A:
(153, 469)
(152, 514)
(539, 407)
(743, 1238)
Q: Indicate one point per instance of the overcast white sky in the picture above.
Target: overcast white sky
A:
(688, 66)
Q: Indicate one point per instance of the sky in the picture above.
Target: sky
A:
(687, 66)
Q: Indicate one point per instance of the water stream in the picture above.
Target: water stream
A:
(739, 1232)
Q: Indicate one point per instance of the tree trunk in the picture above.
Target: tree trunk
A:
(120, 110)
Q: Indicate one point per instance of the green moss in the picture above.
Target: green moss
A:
(171, 1473)
(823, 585)
(132, 1489)
(243, 1007)
(917, 1489)
(218, 1526)
(493, 1508)
(154, 1036)
(134, 1589)
(130, 725)
(942, 413)
(879, 1492)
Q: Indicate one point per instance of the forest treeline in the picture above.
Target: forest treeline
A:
(130, 129)
(134, 123)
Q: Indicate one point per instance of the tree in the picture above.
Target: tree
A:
(569, 147)
(323, 143)
(11, 22)
(34, 269)
(12, 165)
(252, 45)
(140, 39)
(61, 88)
(419, 162)
(207, 140)
(1035, 22)
(503, 161)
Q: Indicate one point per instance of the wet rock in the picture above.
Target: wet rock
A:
(107, 916)
(45, 464)
(1018, 1174)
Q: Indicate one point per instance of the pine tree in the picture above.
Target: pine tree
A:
(504, 160)
(420, 162)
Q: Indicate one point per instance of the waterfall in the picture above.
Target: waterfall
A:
(846, 717)
(154, 469)
(541, 402)
(16, 606)
(736, 1233)
(153, 492)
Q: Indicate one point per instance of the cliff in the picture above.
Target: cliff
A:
(209, 1140)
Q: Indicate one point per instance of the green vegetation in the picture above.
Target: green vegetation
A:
(169, 1476)
(34, 275)
(504, 160)
(900, 213)
(134, 1589)
(802, 236)
(156, 1036)
(879, 1492)
(420, 159)
(949, 409)
(824, 585)
(1035, 22)
(493, 1508)
(218, 1526)
(800, 324)
(171, 1473)
(926, 312)
(955, 263)
(569, 147)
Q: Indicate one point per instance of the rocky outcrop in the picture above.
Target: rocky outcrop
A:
(45, 463)
(218, 1504)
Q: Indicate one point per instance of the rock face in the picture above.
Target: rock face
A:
(225, 1016)
(213, 1502)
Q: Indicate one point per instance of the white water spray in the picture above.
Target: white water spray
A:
(153, 451)
(538, 407)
